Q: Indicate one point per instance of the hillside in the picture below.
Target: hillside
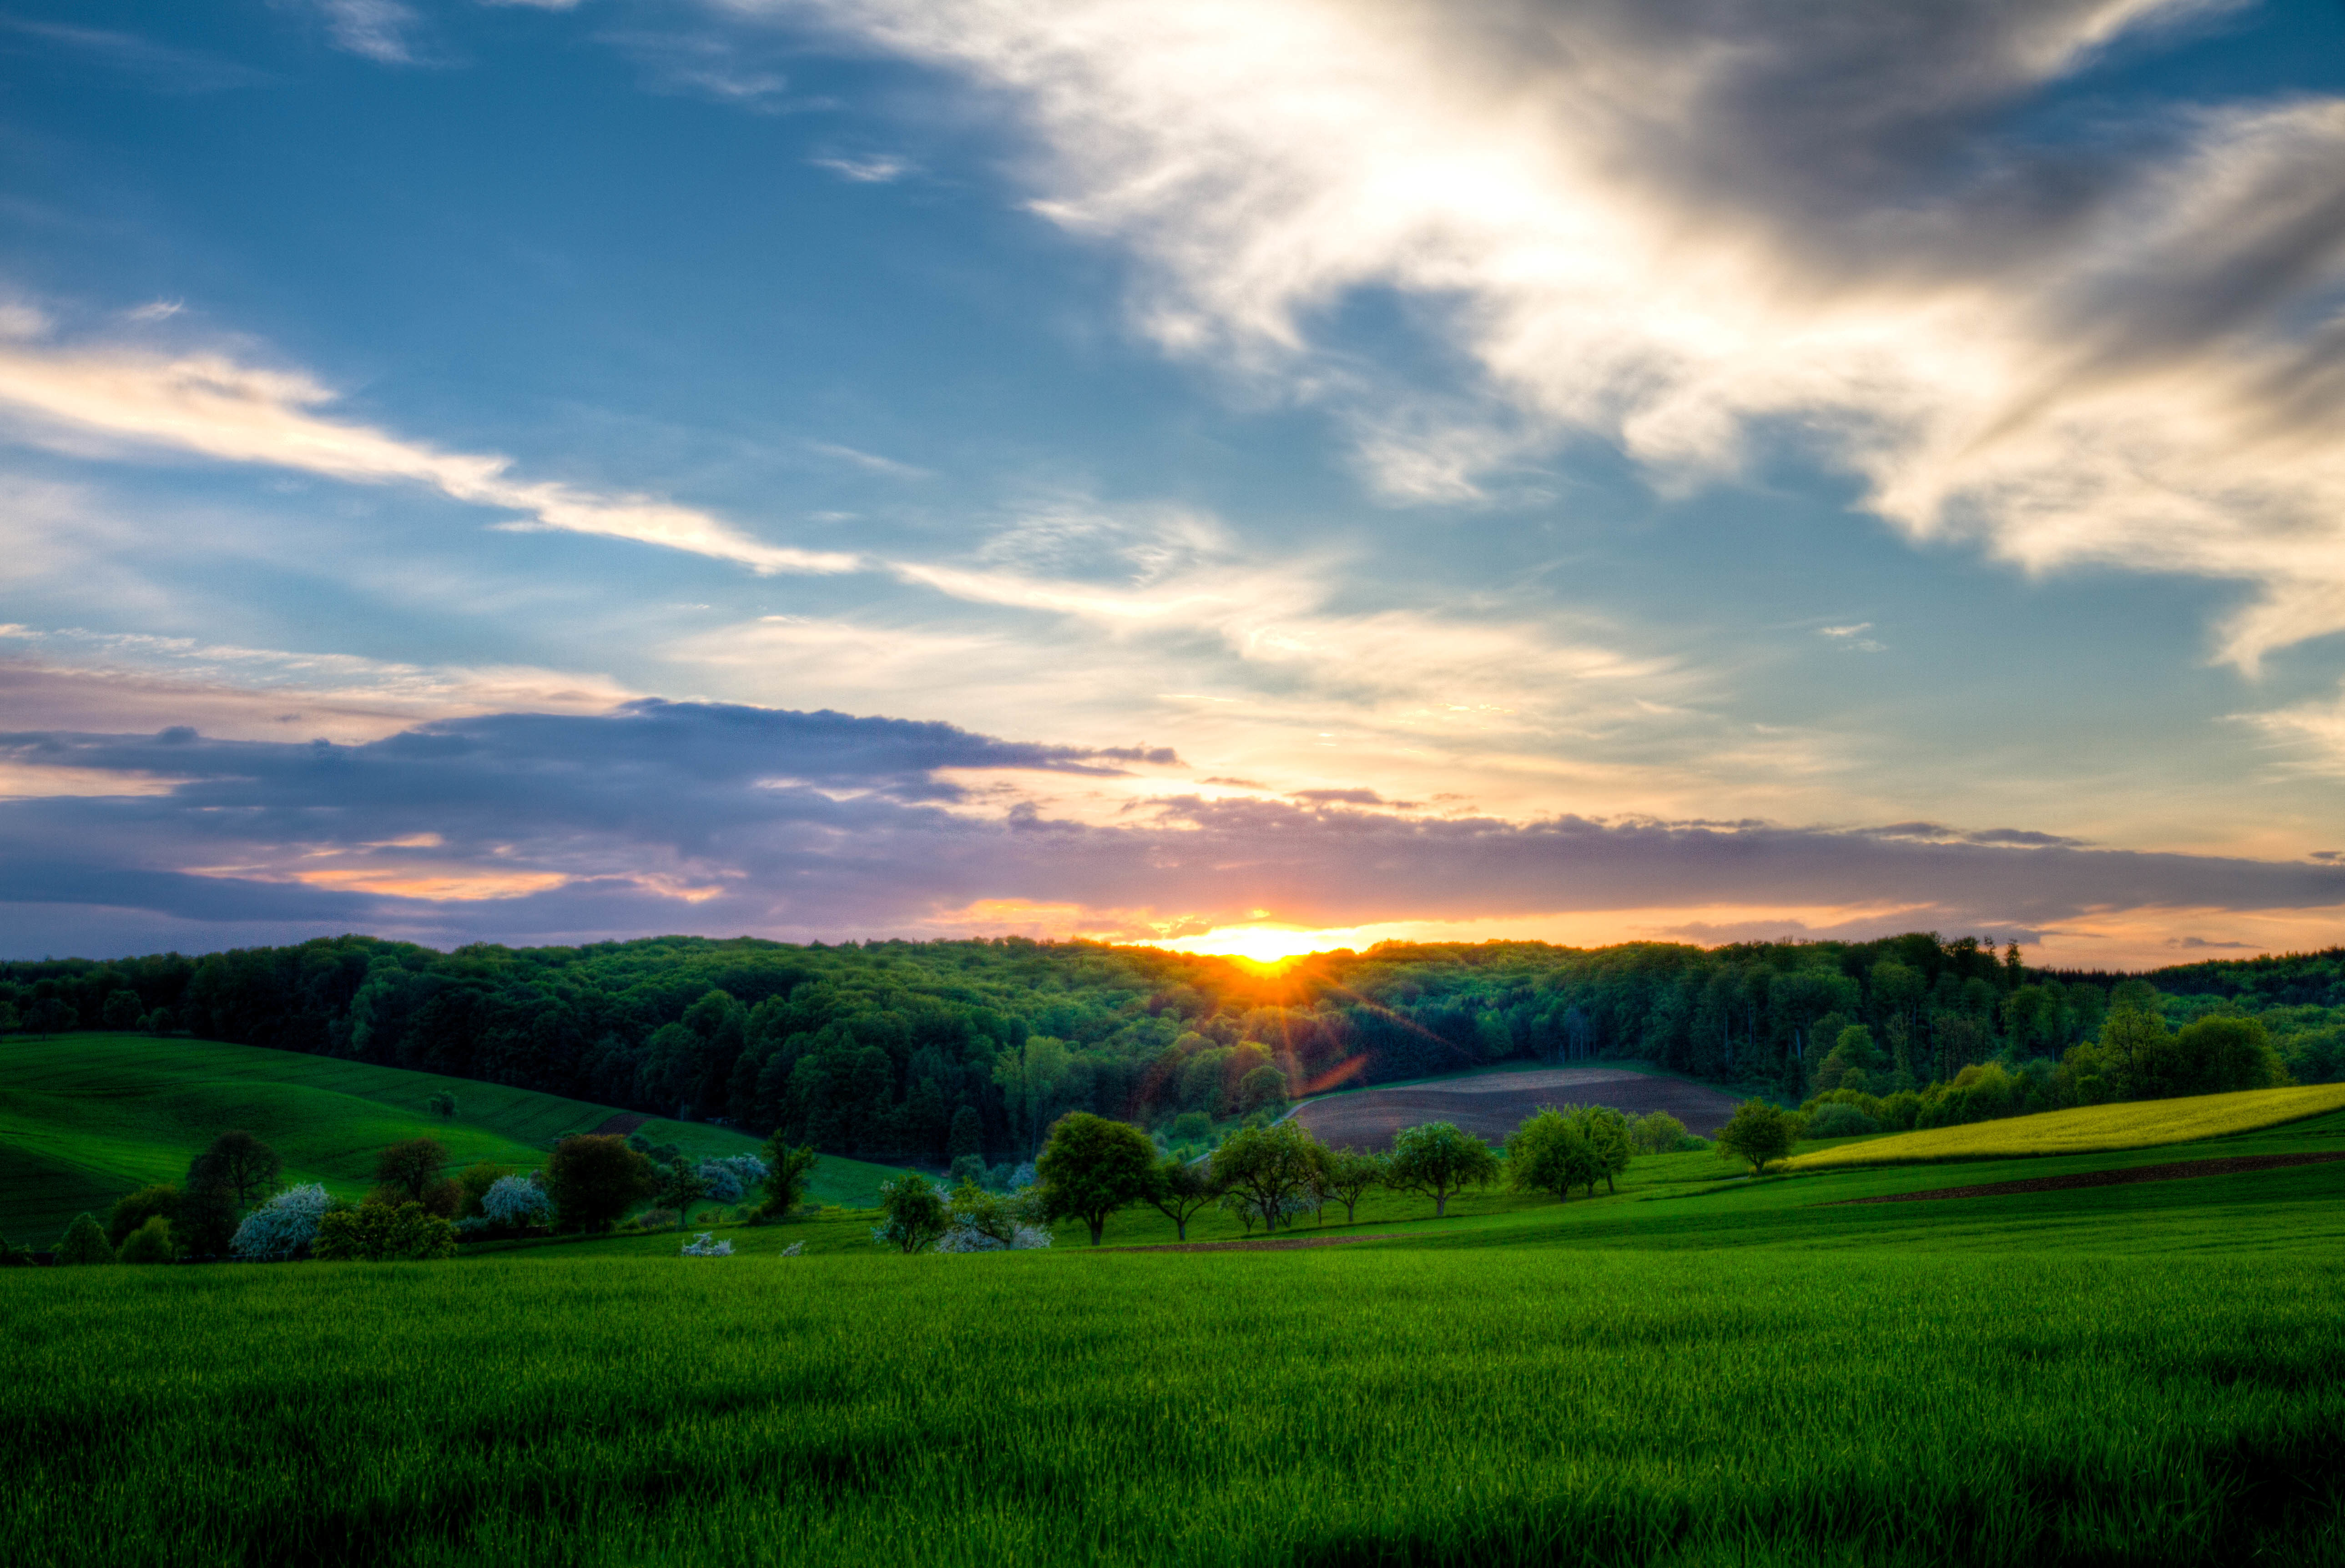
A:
(1490, 1105)
(87, 1117)
(2141, 1123)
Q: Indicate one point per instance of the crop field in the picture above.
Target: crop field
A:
(85, 1118)
(1695, 1370)
(1490, 1105)
(2141, 1123)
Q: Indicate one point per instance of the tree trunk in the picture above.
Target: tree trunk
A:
(1180, 1229)
(1440, 1203)
(1097, 1225)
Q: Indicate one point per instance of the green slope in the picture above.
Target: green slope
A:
(85, 1118)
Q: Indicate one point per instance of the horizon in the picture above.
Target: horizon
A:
(1228, 477)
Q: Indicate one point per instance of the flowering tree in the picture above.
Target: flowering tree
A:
(914, 1214)
(706, 1245)
(284, 1226)
(733, 1178)
(515, 1203)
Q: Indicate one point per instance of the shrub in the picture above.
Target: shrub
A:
(284, 1226)
(1839, 1120)
(206, 1221)
(150, 1243)
(515, 1203)
(132, 1209)
(12, 1256)
(380, 1233)
(794, 1249)
(706, 1245)
(84, 1242)
(968, 1168)
(656, 1219)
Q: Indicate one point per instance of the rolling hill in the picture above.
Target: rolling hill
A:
(85, 1118)
(2134, 1124)
(1490, 1105)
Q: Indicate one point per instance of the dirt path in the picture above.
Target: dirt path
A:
(2177, 1170)
(1267, 1244)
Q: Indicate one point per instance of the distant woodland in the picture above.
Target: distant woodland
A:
(924, 1051)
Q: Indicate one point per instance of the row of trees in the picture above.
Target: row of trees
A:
(1092, 1167)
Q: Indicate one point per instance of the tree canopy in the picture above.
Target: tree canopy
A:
(1437, 1159)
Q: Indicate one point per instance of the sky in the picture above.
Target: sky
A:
(1254, 475)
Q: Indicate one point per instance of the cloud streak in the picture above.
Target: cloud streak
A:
(518, 826)
(1688, 227)
(212, 405)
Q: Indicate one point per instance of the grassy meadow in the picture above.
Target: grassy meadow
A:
(1700, 1368)
(85, 1118)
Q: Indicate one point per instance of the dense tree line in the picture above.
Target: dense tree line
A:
(929, 1051)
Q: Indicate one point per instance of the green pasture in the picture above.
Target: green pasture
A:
(87, 1117)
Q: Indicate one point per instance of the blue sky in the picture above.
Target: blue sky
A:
(1579, 471)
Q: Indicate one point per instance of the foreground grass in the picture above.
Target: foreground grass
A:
(87, 1117)
(2140, 1124)
(1383, 1404)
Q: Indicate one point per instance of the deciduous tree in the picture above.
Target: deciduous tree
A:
(1345, 1175)
(1092, 1167)
(238, 1162)
(413, 1166)
(1437, 1159)
(1179, 1191)
(1760, 1132)
(594, 1179)
(787, 1172)
(1267, 1167)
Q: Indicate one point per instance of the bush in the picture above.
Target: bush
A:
(380, 1233)
(656, 1219)
(475, 1182)
(735, 1177)
(284, 1226)
(968, 1168)
(132, 1209)
(84, 1242)
(706, 1245)
(150, 1243)
(593, 1180)
(1839, 1120)
(515, 1203)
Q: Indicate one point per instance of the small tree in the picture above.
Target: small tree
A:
(1605, 1131)
(473, 1182)
(1656, 1132)
(787, 1172)
(967, 1139)
(1269, 1167)
(515, 1203)
(1760, 1133)
(284, 1227)
(680, 1187)
(1548, 1153)
(1437, 1159)
(132, 1209)
(84, 1242)
(382, 1233)
(441, 1104)
(1092, 1167)
(1180, 1191)
(150, 1243)
(594, 1179)
(913, 1214)
(1347, 1175)
(412, 1167)
(240, 1162)
(122, 1010)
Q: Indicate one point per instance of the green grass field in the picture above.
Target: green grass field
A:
(1700, 1369)
(85, 1118)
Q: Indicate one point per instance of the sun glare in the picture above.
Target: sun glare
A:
(1269, 945)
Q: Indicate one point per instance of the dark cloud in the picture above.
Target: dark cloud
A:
(664, 816)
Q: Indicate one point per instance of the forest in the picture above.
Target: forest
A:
(924, 1051)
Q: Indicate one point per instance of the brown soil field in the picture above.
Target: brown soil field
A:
(619, 1126)
(2175, 1170)
(1491, 1105)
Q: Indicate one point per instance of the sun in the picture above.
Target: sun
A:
(1268, 946)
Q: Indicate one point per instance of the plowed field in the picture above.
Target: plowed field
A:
(1490, 1105)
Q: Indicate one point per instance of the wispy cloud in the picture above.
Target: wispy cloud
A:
(379, 30)
(1853, 638)
(214, 406)
(1683, 229)
(869, 169)
(702, 65)
(159, 65)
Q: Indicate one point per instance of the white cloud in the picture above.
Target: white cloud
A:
(1671, 226)
(876, 168)
(377, 29)
(215, 406)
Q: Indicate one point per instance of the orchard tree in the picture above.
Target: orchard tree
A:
(1265, 1167)
(238, 1163)
(1761, 1132)
(912, 1213)
(594, 1179)
(1092, 1167)
(1548, 1153)
(1345, 1175)
(1605, 1131)
(679, 1187)
(412, 1167)
(1437, 1159)
(1179, 1191)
